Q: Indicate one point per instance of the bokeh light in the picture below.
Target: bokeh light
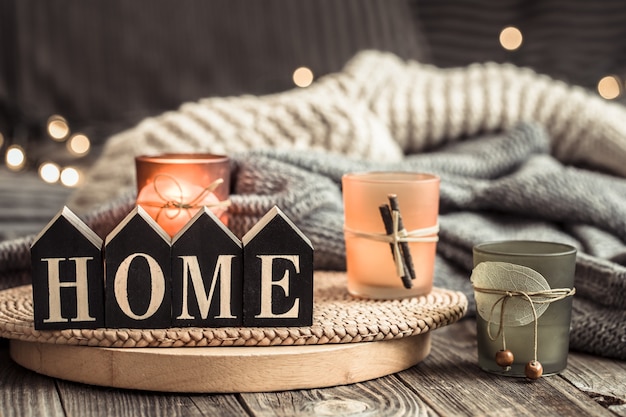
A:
(70, 177)
(609, 87)
(511, 38)
(57, 127)
(303, 77)
(15, 158)
(79, 145)
(49, 172)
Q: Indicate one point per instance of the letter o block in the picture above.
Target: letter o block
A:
(137, 269)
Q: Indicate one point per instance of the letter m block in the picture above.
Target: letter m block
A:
(207, 267)
(67, 275)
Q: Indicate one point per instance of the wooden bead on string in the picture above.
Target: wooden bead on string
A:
(504, 358)
(533, 369)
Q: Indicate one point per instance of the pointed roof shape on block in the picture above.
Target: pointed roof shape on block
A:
(141, 212)
(205, 211)
(76, 222)
(268, 217)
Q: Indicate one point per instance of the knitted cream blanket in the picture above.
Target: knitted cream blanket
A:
(377, 108)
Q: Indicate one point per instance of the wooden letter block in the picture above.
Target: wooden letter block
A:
(67, 274)
(137, 269)
(278, 273)
(207, 268)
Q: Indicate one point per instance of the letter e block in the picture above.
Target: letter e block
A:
(67, 275)
(207, 268)
(278, 273)
(137, 269)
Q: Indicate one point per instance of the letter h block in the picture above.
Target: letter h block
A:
(67, 275)
(278, 273)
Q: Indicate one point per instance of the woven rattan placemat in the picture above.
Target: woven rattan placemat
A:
(338, 317)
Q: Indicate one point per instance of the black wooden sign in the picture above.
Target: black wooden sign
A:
(204, 277)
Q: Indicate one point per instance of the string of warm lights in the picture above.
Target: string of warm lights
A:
(58, 130)
(78, 145)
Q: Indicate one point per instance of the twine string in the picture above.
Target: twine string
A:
(398, 236)
(180, 204)
(532, 297)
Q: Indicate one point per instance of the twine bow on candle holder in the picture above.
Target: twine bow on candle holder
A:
(533, 368)
(179, 204)
(399, 238)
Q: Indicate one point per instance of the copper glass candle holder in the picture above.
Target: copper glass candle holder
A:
(173, 187)
(379, 238)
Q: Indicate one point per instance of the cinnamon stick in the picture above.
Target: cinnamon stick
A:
(385, 213)
(404, 246)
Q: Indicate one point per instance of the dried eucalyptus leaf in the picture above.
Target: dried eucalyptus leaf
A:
(507, 277)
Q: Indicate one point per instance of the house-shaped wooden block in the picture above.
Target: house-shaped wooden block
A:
(278, 273)
(207, 268)
(67, 275)
(137, 271)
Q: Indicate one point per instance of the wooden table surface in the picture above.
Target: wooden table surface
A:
(447, 383)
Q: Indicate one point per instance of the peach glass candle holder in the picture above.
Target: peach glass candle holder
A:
(371, 268)
(173, 187)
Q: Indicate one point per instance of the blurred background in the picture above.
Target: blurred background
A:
(73, 72)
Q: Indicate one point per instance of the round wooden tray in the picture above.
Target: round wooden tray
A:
(351, 340)
(223, 369)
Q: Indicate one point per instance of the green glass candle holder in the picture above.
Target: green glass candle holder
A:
(524, 297)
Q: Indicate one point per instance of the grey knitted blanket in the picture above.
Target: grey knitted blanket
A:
(511, 185)
(501, 187)
(492, 188)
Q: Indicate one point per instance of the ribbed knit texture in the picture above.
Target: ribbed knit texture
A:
(379, 107)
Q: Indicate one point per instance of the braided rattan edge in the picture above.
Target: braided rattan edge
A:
(337, 318)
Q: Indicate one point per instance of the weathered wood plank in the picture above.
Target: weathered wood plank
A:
(450, 381)
(25, 393)
(602, 379)
(447, 382)
(228, 405)
(382, 397)
(86, 400)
